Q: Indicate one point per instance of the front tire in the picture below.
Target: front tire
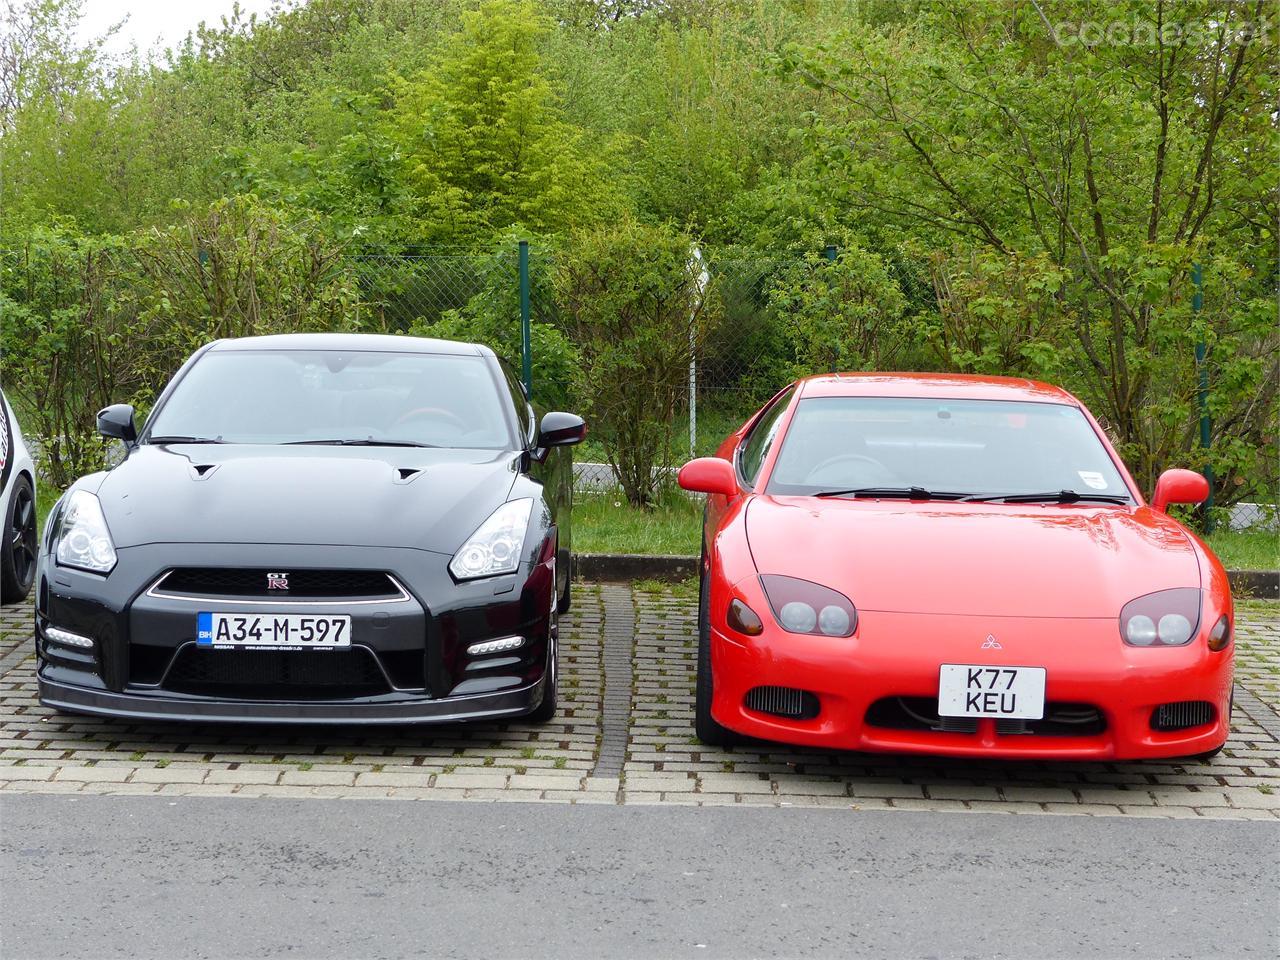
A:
(545, 712)
(18, 549)
(705, 726)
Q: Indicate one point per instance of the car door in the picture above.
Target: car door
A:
(554, 471)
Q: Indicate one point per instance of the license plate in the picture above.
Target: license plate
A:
(273, 630)
(970, 690)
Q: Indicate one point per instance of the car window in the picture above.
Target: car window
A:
(290, 396)
(523, 415)
(755, 446)
(967, 446)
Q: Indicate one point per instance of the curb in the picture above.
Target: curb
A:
(1259, 584)
(615, 567)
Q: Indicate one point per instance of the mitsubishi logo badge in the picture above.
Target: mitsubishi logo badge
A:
(991, 643)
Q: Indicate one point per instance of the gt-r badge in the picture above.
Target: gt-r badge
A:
(991, 643)
(277, 581)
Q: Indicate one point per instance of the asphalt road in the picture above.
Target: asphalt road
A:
(101, 877)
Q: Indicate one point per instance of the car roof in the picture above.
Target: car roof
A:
(949, 386)
(372, 342)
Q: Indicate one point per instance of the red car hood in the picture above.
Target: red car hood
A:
(987, 559)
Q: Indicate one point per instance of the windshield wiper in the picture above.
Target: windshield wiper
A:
(900, 493)
(176, 439)
(367, 442)
(1058, 496)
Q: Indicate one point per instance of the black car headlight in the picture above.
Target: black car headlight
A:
(82, 538)
(800, 606)
(495, 547)
(1168, 618)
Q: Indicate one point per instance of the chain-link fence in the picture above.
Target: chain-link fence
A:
(489, 296)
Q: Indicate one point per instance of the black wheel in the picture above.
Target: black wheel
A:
(18, 550)
(704, 725)
(566, 598)
(546, 710)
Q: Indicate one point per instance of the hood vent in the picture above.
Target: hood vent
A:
(407, 474)
(203, 471)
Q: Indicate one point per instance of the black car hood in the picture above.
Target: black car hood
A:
(430, 499)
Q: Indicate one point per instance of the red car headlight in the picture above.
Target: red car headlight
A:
(1169, 618)
(803, 607)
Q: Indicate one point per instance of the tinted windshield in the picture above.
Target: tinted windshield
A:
(287, 396)
(970, 446)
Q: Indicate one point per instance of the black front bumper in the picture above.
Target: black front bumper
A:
(391, 709)
(419, 641)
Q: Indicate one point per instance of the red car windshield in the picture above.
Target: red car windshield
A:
(975, 447)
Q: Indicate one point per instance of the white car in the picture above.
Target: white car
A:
(17, 510)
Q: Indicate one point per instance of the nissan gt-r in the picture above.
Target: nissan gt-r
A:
(315, 528)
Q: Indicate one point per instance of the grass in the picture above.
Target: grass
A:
(608, 524)
(1246, 549)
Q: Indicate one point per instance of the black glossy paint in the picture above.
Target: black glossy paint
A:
(398, 510)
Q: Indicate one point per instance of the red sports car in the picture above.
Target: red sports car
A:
(915, 563)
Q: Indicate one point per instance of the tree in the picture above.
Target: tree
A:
(636, 304)
(483, 140)
(1106, 166)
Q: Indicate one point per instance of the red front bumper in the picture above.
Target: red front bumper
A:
(898, 655)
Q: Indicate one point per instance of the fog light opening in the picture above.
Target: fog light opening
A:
(500, 645)
(68, 639)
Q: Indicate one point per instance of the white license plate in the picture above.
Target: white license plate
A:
(970, 690)
(275, 630)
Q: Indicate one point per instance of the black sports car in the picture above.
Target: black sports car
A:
(316, 528)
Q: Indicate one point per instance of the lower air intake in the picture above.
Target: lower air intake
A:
(276, 674)
(783, 702)
(1182, 715)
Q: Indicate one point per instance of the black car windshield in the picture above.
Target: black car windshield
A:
(317, 396)
(839, 445)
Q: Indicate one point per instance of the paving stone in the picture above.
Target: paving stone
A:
(728, 783)
(472, 781)
(317, 778)
(183, 774)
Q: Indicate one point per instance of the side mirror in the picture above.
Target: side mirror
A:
(116, 423)
(709, 475)
(1179, 486)
(561, 430)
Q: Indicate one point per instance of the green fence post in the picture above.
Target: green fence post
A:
(829, 251)
(1202, 394)
(526, 331)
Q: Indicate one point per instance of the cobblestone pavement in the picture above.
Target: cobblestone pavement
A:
(642, 642)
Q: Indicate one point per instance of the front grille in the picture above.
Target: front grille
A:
(1182, 715)
(276, 674)
(301, 584)
(1061, 719)
(783, 702)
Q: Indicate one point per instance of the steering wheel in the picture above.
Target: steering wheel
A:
(417, 412)
(843, 458)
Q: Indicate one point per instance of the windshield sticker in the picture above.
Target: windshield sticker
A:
(1093, 479)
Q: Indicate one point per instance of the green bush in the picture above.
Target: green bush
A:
(87, 322)
(492, 317)
(841, 314)
(636, 303)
